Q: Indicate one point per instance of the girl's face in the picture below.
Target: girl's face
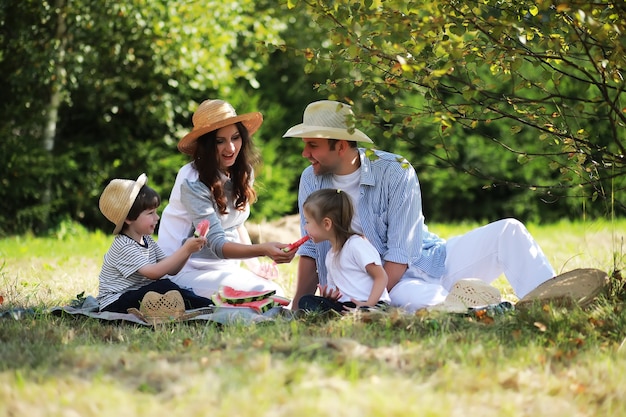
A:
(319, 232)
(228, 144)
(144, 224)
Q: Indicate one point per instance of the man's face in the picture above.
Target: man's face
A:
(322, 158)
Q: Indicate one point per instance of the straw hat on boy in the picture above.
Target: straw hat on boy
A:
(212, 115)
(118, 198)
(327, 119)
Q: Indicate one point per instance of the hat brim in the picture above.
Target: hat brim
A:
(140, 182)
(322, 132)
(252, 122)
(468, 293)
(577, 287)
(154, 320)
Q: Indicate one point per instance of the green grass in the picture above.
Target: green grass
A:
(546, 361)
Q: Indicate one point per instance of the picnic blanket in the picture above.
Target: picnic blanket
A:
(88, 307)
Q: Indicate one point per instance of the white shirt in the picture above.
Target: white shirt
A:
(191, 201)
(346, 269)
(175, 224)
(350, 184)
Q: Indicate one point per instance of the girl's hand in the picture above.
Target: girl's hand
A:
(357, 304)
(361, 303)
(330, 293)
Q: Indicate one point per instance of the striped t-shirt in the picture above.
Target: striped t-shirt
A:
(121, 263)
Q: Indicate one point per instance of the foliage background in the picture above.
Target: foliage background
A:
(504, 108)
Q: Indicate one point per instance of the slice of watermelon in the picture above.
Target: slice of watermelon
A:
(217, 300)
(296, 244)
(283, 301)
(202, 229)
(233, 296)
(260, 306)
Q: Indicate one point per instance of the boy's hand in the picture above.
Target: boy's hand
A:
(194, 244)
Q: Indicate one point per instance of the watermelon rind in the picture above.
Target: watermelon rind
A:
(260, 306)
(283, 301)
(233, 296)
(217, 300)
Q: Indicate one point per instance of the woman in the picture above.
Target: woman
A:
(217, 185)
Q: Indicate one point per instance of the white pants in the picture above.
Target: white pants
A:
(502, 247)
(206, 282)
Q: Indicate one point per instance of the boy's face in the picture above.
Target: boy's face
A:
(145, 223)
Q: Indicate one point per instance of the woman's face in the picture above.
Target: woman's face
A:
(228, 143)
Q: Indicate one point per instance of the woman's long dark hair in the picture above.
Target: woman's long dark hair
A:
(205, 160)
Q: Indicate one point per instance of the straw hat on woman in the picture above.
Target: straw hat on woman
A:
(217, 185)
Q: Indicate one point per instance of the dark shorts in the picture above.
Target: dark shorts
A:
(132, 298)
(320, 304)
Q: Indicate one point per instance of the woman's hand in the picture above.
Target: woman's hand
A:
(274, 250)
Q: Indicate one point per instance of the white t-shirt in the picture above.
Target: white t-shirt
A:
(346, 270)
(175, 225)
(351, 185)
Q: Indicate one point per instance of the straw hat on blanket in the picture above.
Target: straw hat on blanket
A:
(469, 293)
(158, 308)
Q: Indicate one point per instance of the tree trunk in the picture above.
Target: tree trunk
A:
(52, 112)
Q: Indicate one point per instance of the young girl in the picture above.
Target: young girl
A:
(356, 277)
(135, 264)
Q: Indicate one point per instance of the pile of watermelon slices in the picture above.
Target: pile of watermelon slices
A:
(260, 301)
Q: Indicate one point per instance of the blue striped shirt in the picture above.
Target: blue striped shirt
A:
(390, 211)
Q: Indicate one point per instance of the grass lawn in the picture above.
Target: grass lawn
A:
(547, 361)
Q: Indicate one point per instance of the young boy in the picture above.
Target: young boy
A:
(135, 265)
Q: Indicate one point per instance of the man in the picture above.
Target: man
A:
(385, 190)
